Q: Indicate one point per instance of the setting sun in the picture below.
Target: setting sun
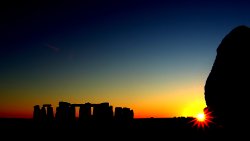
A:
(203, 120)
(201, 117)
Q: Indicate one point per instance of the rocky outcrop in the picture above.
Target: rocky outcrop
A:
(227, 86)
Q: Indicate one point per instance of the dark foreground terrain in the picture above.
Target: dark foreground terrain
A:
(139, 129)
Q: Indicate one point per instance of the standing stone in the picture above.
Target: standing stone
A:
(227, 86)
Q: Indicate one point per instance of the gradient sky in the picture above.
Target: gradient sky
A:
(151, 56)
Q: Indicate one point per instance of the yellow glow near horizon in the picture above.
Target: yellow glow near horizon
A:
(194, 108)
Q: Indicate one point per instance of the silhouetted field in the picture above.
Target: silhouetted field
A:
(147, 128)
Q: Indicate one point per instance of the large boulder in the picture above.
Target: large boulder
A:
(227, 86)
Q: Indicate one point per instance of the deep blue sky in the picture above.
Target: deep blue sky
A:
(122, 51)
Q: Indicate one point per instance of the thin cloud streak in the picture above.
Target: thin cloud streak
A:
(53, 48)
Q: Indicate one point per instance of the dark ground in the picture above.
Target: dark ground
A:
(139, 129)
